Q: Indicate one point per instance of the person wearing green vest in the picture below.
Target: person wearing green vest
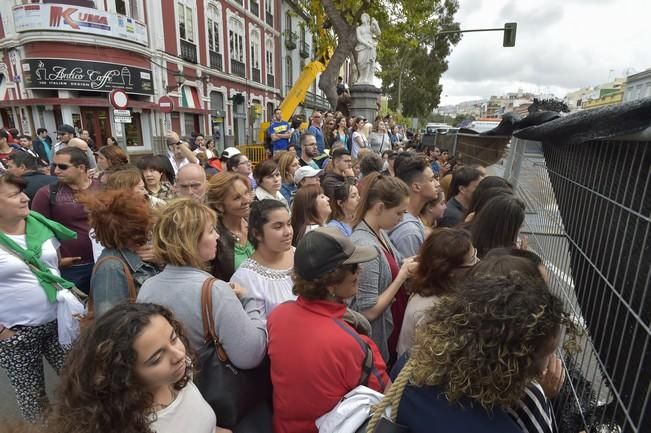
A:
(39, 314)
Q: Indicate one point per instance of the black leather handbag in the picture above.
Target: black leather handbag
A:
(231, 392)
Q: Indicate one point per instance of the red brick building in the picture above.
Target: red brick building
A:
(218, 60)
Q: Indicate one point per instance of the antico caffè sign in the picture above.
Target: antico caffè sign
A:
(90, 76)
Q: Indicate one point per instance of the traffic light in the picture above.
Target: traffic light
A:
(509, 34)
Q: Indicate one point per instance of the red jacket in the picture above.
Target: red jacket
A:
(316, 358)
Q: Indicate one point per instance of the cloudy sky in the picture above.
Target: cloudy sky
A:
(561, 45)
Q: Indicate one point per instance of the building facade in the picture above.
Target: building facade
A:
(218, 60)
(638, 86)
(297, 51)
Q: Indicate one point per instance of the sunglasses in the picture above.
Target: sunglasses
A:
(62, 166)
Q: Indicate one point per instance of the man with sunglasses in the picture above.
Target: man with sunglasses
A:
(58, 202)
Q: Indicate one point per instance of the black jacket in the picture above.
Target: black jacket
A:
(39, 148)
(35, 180)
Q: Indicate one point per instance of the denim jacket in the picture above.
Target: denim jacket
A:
(109, 284)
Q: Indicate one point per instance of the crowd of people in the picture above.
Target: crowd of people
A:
(347, 260)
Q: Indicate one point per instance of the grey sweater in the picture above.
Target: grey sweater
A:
(240, 328)
(374, 278)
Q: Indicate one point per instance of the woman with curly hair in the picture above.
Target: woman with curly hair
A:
(121, 225)
(476, 354)
(442, 258)
(131, 372)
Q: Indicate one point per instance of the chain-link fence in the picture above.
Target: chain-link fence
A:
(588, 217)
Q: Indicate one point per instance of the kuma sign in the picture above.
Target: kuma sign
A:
(49, 17)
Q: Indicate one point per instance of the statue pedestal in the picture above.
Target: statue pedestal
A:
(365, 101)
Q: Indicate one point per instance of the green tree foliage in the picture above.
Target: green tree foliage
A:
(411, 53)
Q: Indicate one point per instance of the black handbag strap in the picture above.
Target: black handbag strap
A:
(208, 319)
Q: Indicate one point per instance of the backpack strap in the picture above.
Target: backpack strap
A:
(54, 190)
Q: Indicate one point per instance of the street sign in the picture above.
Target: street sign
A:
(166, 104)
(122, 119)
(119, 99)
(122, 113)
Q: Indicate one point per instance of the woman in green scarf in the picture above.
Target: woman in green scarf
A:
(33, 297)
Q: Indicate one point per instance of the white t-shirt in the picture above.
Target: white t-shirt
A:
(355, 148)
(268, 287)
(189, 412)
(24, 301)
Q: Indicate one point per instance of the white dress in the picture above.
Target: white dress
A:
(268, 287)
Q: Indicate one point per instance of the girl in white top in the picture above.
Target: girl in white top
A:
(267, 274)
(131, 372)
(358, 139)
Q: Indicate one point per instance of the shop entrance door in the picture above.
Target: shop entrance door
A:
(96, 121)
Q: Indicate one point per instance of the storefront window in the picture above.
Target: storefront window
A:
(133, 131)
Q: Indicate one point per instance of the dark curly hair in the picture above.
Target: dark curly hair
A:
(317, 289)
(443, 251)
(99, 390)
(482, 342)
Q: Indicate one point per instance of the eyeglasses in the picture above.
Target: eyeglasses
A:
(189, 185)
(62, 166)
(245, 163)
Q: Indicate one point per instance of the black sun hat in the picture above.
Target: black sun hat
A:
(324, 250)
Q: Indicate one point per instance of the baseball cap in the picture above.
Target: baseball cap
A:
(325, 249)
(65, 128)
(230, 152)
(304, 172)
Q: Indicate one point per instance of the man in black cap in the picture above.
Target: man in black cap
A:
(66, 133)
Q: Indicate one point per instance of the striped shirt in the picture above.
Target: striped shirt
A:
(533, 413)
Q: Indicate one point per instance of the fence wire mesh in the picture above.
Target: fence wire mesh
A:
(589, 217)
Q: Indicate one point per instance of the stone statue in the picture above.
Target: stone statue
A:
(367, 34)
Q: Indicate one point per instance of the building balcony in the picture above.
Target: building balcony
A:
(255, 75)
(290, 40)
(254, 7)
(269, 18)
(305, 50)
(238, 68)
(271, 82)
(216, 60)
(188, 51)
